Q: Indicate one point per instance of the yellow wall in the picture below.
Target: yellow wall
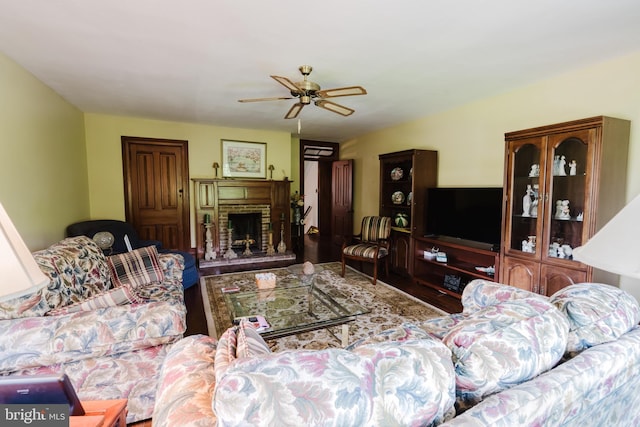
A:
(470, 139)
(104, 153)
(43, 171)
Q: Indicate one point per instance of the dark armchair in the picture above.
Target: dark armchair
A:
(123, 231)
(371, 245)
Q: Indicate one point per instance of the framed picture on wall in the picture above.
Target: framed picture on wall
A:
(241, 159)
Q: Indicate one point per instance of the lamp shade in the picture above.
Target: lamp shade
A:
(616, 247)
(19, 272)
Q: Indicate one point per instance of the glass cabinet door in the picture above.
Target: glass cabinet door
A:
(524, 214)
(568, 200)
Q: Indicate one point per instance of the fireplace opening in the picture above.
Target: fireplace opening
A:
(246, 224)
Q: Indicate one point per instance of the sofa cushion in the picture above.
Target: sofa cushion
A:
(481, 293)
(505, 344)
(138, 268)
(76, 268)
(597, 313)
(111, 298)
(387, 383)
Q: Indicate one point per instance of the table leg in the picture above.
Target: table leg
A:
(345, 335)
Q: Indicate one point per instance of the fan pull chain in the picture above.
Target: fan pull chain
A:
(299, 126)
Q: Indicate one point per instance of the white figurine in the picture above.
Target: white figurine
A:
(556, 164)
(534, 204)
(561, 165)
(526, 201)
(558, 213)
(565, 213)
(572, 167)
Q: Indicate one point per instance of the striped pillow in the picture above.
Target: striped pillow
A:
(110, 298)
(137, 268)
(241, 341)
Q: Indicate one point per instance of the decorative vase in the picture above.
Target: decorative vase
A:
(401, 220)
(297, 215)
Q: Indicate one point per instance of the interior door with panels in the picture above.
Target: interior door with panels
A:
(156, 180)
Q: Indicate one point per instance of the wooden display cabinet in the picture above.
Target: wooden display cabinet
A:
(462, 259)
(562, 183)
(404, 179)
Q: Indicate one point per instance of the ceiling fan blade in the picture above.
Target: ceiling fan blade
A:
(342, 91)
(336, 108)
(277, 98)
(286, 83)
(294, 111)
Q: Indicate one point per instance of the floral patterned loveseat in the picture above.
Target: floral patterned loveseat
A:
(511, 358)
(107, 322)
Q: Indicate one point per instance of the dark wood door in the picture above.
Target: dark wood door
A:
(156, 185)
(342, 200)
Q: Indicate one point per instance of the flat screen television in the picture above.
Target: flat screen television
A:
(473, 213)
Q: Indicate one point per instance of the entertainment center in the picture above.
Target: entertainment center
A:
(465, 224)
(463, 256)
(562, 183)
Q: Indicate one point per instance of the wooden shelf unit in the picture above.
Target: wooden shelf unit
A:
(419, 171)
(463, 257)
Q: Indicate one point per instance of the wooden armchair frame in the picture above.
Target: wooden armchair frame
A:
(370, 245)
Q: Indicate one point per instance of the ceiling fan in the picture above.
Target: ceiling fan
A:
(307, 91)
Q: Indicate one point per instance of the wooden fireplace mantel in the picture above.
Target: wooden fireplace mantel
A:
(210, 194)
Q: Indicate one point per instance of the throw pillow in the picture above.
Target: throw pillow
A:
(504, 345)
(111, 298)
(597, 313)
(137, 268)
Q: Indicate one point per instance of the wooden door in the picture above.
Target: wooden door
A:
(156, 185)
(342, 200)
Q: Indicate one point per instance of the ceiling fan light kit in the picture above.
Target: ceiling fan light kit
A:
(307, 91)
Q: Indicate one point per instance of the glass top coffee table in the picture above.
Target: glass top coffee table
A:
(295, 308)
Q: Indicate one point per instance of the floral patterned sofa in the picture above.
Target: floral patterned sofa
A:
(510, 358)
(107, 322)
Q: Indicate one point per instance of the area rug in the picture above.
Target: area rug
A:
(389, 307)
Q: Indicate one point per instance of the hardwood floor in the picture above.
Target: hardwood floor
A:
(318, 249)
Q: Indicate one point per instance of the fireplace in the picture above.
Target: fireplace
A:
(247, 227)
(260, 209)
(245, 219)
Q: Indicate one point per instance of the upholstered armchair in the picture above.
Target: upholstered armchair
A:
(123, 231)
(371, 245)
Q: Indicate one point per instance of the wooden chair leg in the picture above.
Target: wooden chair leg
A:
(342, 267)
(375, 272)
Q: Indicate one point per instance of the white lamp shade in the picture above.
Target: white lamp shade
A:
(616, 247)
(19, 272)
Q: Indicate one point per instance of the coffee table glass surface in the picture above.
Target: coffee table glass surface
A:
(295, 306)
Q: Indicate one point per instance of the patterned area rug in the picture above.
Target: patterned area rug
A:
(388, 306)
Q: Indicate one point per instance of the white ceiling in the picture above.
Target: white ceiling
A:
(191, 60)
